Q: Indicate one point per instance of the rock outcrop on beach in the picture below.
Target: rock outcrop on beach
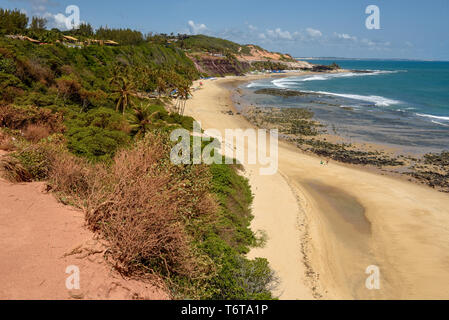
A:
(218, 66)
(324, 68)
(219, 57)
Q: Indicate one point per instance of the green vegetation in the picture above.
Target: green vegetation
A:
(93, 122)
(225, 241)
(74, 82)
(269, 65)
(202, 43)
(12, 21)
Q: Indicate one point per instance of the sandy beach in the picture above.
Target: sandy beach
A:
(326, 224)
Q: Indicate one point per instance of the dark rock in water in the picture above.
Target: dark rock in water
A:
(361, 71)
(283, 92)
(323, 68)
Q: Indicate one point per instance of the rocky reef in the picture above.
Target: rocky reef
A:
(297, 126)
(324, 68)
(283, 92)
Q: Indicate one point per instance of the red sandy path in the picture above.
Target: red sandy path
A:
(35, 233)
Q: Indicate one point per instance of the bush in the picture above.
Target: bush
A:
(226, 238)
(72, 177)
(6, 142)
(31, 162)
(35, 132)
(19, 118)
(7, 65)
(96, 143)
(140, 204)
(13, 170)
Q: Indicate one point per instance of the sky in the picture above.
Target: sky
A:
(409, 29)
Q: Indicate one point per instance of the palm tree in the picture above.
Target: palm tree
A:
(182, 96)
(125, 88)
(144, 119)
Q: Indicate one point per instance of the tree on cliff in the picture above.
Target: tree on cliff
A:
(12, 21)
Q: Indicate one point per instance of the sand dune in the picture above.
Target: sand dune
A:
(327, 224)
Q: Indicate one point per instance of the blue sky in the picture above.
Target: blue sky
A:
(409, 28)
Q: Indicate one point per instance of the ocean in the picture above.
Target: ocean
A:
(404, 104)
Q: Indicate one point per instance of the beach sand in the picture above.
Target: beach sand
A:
(326, 224)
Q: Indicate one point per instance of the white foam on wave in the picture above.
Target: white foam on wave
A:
(432, 116)
(441, 124)
(255, 84)
(284, 82)
(315, 78)
(377, 100)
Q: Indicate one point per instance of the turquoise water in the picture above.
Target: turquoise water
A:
(403, 103)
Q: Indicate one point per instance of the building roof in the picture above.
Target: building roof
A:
(71, 38)
(31, 40)
(111, 42)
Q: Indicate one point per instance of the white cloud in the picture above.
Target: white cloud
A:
(314, 33)
(252, 28)
(60, 21)
(368, 42)
(279, 34)
(376, 45)
(39, 6)
(196, 28)
(354, 42)
(345, 36)
(276, 37)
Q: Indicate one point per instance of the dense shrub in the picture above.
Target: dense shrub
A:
(35, 132)
(226, 238)
(15, 117)
(140, 203)
(31, 161)
(12, 21)
(95, 143)
(6, 142)
(7, 65)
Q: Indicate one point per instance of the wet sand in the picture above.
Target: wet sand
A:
(327, 224)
